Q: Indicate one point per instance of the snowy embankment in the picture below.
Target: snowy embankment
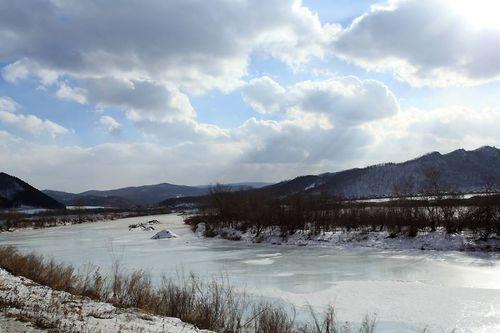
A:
(45, 309)
(438, 240)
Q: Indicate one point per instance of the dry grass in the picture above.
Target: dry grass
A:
(212, 305)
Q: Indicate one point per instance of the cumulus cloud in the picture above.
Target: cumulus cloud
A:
(158, 110)
(146, 58)
(66, 92)
(198, 45)
(140, 99)
(111, 165)
(321, 121)
(257, 150)
(110, 124)
(30, 124)
(344, 101)
(413, 132)
(425, 42)
(6, 138)
(263, 94)
(181, 131)
(7, 104)
(298, 142)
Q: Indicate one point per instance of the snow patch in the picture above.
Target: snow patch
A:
(61, 310)
(164, 234)
(439, 240)
(260, 262)
(200, 229)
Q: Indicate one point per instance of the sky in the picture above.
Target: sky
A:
(105, 94)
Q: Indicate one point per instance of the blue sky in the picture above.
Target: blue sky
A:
(103, 94)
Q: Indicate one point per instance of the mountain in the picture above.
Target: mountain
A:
(239, 186)
(459, 171)
(140, 195)
(149, 194)
(72, 199)
(14, 193)
(127, 196)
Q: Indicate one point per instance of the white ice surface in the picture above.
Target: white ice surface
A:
(408, 289)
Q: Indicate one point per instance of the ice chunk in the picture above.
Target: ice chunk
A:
(164, 234)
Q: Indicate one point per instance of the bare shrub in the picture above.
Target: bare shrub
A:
(213, 304)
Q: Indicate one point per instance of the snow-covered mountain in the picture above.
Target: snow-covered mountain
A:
(14, 193)
(459, 171)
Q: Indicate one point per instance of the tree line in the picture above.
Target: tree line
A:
(260, 210)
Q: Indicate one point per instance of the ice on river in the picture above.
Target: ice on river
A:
(408, 290)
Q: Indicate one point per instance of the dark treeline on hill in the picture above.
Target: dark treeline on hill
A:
(460, 171)
(258, 211)
(14, 193)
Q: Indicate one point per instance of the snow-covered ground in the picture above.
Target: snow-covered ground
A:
(38, 308)
(439, 240)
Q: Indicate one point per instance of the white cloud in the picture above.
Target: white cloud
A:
(113, 164)
(27, 123)
(263, 94)
(321, 121)
(414, 132)
(182, 131)
(65, 92)
(345, 101)
(257, 150)
(15, 71)
(298, 142)
(146, 58)
(110, 124)
(159, 111)
(197, 45)
(6, 137)
(141, 100)
(32, 124)
(25, 67)
(425, 42)
(8, 104)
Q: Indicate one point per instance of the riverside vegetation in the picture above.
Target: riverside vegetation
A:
(207, 304)
(11, 220)
(258, 211)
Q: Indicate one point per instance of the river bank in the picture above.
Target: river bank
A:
(29, 307)
(438, 240)
(10, 222)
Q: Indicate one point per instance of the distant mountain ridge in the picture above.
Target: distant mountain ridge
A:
(137, 195)
(242, 185)
(127, 196)
(72, 199)
(15, 193)
(459, 171)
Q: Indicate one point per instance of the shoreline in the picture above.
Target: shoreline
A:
(32, 307)
(59, 220)
(425, 241)
(438, 240)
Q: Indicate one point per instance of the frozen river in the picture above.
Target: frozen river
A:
(407, 290)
